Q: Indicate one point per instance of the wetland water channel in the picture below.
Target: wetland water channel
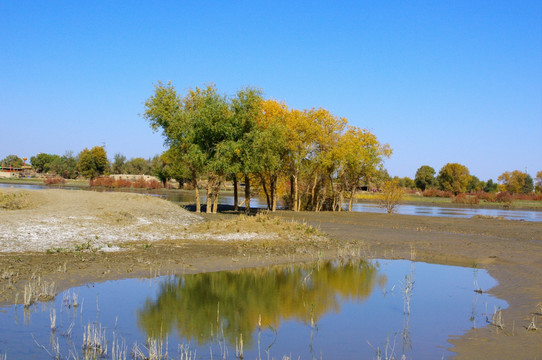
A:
(326, 310)
(402, 209)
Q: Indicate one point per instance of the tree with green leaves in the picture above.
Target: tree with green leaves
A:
(406, 182)
(246, 109)
(65, 165)
(425, 177)
(92, 163)
(164, 111)
(137, 166)
(42, 162)
(538, 187)
(193, 127)
(12, 161)
(454, 177)
(491, 187)
(474, 184)
(117, 167)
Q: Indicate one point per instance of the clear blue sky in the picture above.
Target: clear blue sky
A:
(440, 81)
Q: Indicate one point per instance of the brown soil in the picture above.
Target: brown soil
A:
(509, 250)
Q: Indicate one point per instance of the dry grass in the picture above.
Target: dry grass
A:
(38, 290)
(14, 200)
(94, 341)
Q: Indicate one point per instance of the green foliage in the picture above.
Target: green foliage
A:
(475, 184)
(137, 166)
(212, 138)
(528, 185)
(117, 167)
(425, 177)
(538, 187)
(64, 166)
(12, 161)
(42, 162)
(406, 182)
(454, 177)
(491, 187)
(236, 302)
(93, 162)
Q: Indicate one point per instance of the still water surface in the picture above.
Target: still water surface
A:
(424, 210)
(327, 310)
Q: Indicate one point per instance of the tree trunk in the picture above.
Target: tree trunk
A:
(297, 202)
(352, 194)
(247, 194)
(208, 209)
(196, 191)
(266, 192)
(341, 199)
(235, 194)
(215, 202)
(273, 193)
(216, 192)
(292, 197)
(314, 189)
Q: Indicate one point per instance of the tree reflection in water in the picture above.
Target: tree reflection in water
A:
(195, 304)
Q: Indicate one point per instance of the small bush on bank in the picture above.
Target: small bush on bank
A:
(54, 180)
(504, 197)
(465, 199)
(153, 184)
(528, 197)
(437, 193)
(140, 184)
(122, 183)
(104, 181)
(110, 182)
(489, 197)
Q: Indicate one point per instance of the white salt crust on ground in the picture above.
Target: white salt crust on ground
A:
(67, 219)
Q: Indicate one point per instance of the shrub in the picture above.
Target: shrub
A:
(104, 181)
(54, 180)
(391, 196)
(465, 199)
(122, 183)
(489, 197)
(153, 184)
(504, 197)
(437, 193)
(140, 183)
(530, 196)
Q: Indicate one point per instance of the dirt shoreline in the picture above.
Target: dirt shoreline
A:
(509, 250)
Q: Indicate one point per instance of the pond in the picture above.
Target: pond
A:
(424, 210)
(325, 310)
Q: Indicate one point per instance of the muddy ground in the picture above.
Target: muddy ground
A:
(185, 242)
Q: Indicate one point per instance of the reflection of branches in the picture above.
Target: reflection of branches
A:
(247, 297)
(407, 287)
(405, 333)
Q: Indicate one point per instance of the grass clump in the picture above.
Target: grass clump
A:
(14, 200)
